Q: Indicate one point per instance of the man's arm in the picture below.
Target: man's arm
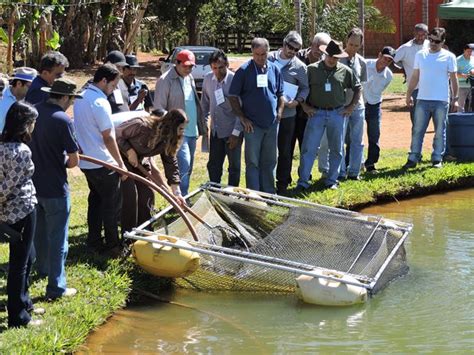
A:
(237, 108)
(281, 107)
(111, 145)
(455, 91)
(355, 98)
(72, 160)
(415, 77)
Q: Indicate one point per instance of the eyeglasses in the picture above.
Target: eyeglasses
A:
(295, 49)
(437, 41)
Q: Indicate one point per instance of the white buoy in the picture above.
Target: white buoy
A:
(325, 292)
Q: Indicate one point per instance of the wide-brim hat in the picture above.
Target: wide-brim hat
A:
(132, 61)
(333, 49)
(64, 87)
(117, 58)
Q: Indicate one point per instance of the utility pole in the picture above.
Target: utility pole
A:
(362, 23)
(298, 26)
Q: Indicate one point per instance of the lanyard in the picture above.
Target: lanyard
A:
(256, 69)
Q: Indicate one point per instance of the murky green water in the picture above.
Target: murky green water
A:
(429, 310)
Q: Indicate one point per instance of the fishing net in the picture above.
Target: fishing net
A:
(284, 233)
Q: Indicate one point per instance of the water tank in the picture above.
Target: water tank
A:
(460, 136)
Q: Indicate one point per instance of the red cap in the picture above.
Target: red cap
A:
(186, 57)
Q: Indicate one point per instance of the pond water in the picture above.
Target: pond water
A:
(429, 310)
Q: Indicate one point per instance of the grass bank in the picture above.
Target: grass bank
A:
(106, 285)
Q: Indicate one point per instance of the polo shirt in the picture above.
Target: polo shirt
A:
(341, 77)
(5, 103)
(92, 116)
(35, 95)
(376, 82)
(406, 56)
(464, 67)
(258, 104)
(359, 67)
(132, 92)
(52, 138)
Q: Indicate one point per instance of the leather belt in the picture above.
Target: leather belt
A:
(327, 108)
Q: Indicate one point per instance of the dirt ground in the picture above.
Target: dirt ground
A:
(396, 124)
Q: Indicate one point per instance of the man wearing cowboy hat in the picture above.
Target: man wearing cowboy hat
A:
(54, 149)
(328, 80)
(134, 90)
(16, 91)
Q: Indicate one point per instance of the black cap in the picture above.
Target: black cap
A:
(132, 61)
(117, 58)
(388, 52)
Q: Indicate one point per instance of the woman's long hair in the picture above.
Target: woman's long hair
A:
(166, 130)
(18, 123)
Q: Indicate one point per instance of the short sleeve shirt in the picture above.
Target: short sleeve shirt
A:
(464, 67)
(92, 116)
(376, 83)
(53, 138)
(258, 103)
(359, 67)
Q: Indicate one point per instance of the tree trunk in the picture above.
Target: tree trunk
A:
(131, 36)
(11, 31)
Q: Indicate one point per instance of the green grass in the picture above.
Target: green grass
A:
(397, 86)
(106, 285)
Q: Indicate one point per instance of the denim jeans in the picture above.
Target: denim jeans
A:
(414, 96)
(354, 127)
(185, 162)
(373, 116)
(104, 204)
(261, 158)
(285, 152)
(51, 242)
(333, 123)
(19, 303)
(423, 111)
(218, 150)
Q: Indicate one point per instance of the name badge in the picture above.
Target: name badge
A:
(219, 95)
(118, 97)
(327, 87)
(262, 80)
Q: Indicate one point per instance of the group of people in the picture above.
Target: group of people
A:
(319, 96)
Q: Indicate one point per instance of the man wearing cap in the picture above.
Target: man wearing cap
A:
(296, 90)
(54, 149)
(465, 64)
(176, 89)
(96, 136)
(226, 129)
(135, 90)
(354, 125)
(405, 57)
(379, 77)
(20, 82)
(52, 66)
(256, 95)
(119, 98)
(328, 80)
(435, 74)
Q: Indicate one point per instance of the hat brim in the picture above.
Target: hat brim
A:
(48, 90)
(120, 64)
(323, 47)
(20, 78)
(393, 61)
(188, 62)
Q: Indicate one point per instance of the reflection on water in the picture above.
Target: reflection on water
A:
(429, 310)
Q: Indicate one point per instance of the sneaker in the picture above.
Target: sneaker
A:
(371, 169)
(409, 165)
(299, 189)
(68, 293)
(38, 311)
(35, 323)
(355, 178)
(332, 187)
(437, 164)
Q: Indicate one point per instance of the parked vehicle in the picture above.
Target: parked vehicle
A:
(202, 67)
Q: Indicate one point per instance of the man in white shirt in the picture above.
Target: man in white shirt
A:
(434, 70)
(96, 136)
(379, 77)
(405, 56)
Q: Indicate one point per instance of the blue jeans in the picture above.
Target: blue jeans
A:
(19, 303)
(423, 111)
(414, 96)
(185, 162)
(51, 242)
(373, 116)
(218, 150)
(333, 123)
(355, 125)
(261, 158)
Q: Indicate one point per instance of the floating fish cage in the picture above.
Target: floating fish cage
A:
(258, 242)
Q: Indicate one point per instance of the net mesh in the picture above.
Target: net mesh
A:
(293, 235)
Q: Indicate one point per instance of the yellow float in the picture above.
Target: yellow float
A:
(165, 261)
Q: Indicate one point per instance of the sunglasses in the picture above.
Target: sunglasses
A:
(437, 41)
(295, 49)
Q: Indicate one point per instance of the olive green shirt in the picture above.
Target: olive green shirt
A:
(340, 78)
